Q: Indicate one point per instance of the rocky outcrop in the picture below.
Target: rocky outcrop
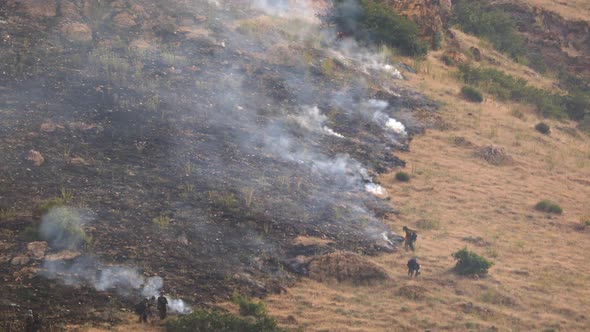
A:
(558, 40)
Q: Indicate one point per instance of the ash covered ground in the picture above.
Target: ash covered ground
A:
(197, 139)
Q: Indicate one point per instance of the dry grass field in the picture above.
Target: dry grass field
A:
(540, 280)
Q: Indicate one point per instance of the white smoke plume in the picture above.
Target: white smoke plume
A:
(375, 189)
(396, 126)
(62, 227)
(313, 120)
(300, 9)
(370, 62)
(378, 107)
(123, 280)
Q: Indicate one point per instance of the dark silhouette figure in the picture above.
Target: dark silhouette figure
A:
(32, 322)
(141, 309)
(413, 267)
(410, 239)
(162, 306)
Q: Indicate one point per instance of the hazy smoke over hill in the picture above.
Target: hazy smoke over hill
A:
(208, 134)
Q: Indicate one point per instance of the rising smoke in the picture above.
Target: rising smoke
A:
(123, 280)
(205, 126)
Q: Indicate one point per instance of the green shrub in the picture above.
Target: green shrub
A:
(470, 263)
(216, 321)
(402, 176)
(543, 128)
(253, 318)
(371, 22)
(537, 63)
(578, 105)
(472, 94)
(587, 223)
(447, 60)
(30, 233)
(481, 19)
(548, 206)
(507, 87)
(584, 125)
(437, 40)
(249, 307)
(62, 227)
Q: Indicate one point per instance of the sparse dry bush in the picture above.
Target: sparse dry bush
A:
(7, 214)
(223, 199)
(494, 155)
(162, 221)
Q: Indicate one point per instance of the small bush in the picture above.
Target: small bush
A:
(49, 204)
(587, 223)
(402, 176)
(518, 114)
(249, 307)
(543, 128)
(252, 318)
(447, 60)
(548, 206)
(437, 40)
(162, 221)
(472, 94)
(470, 263)
(30, 233)
(62, 228)
(216, 321)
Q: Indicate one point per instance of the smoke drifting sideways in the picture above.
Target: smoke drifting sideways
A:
(124, 280)
(63, 228)
(236, 137)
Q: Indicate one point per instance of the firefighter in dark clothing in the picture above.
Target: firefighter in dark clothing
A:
(152, 304)
(32, 323)
(142, 310)
(162, 306)
(410, 238)
(413, 267)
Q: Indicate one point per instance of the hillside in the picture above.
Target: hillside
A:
(209, 149)
(456, 199)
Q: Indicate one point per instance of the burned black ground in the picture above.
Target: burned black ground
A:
(196, 130)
